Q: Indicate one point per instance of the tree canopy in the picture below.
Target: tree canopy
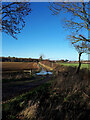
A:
(78, 22)
(13, 17)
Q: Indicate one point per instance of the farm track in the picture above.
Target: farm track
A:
(13, 89)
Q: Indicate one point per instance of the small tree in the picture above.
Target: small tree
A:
(66, 60)
(41, 57)
(81, 47)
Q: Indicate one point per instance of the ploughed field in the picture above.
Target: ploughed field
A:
(17, 70)
(12, 66)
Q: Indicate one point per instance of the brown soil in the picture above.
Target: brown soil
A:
(16, 66)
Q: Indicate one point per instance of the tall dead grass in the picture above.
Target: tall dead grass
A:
(67, 98)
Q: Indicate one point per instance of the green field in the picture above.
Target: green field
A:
(76, 64)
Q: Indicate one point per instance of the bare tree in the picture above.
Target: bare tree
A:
(41, 57)
(78, 22)
(13, 16)
(81, 46)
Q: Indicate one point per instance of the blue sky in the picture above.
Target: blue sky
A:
(43, 34)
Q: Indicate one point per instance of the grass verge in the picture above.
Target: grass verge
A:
(11, 108)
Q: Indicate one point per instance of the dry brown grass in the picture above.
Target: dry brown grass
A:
(16, 66)
(29, 112)
(69, 97)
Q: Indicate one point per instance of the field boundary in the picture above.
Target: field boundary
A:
(47, 67)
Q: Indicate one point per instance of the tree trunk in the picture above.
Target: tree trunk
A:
(79, 63)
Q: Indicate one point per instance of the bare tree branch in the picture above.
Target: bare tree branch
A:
(13, 17)
(78, 21)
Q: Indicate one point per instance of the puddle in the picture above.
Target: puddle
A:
(43, 72)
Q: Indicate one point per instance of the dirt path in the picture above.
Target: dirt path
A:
(15, 88)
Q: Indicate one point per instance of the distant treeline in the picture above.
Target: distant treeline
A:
(15, 59)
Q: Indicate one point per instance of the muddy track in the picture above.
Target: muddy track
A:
(13, 89)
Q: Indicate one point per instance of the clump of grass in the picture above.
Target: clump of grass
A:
(14, 106)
